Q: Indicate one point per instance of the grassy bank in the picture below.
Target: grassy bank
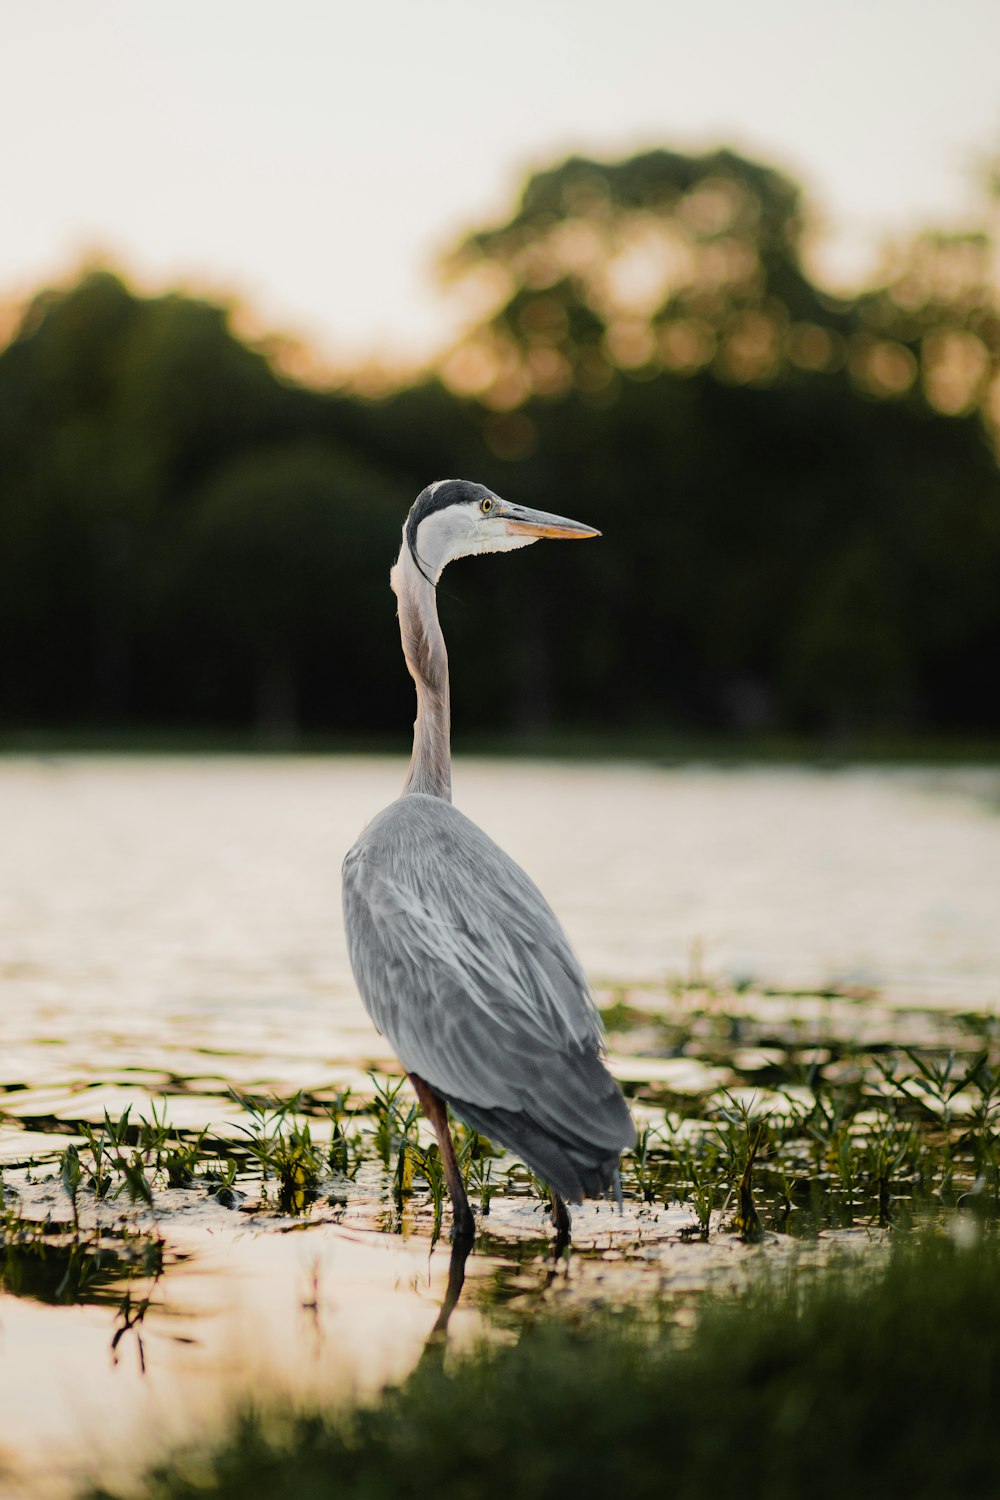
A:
(861, 1381)
(660, 745)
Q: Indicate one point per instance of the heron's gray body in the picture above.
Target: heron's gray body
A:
(465, 969)
(458, 957)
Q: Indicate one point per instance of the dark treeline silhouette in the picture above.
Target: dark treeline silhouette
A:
(799, 496)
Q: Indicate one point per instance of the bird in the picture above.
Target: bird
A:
(459, 959)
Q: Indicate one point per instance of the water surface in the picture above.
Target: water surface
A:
(171, 926)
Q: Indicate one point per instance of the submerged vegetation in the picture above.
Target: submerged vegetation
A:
(877, 1381)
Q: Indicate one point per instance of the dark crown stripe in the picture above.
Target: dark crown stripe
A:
(430, 500)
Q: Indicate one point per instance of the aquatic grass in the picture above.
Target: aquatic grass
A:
(281, 1144)
(98, 1173)
(867, 1146)
(344, 1153)
(741, 1133)
(395, 1119)
(857, 1380)
(180, 1160)
(432, 1170)
(696, 1184)
(937, 1082)
(480, 1180)
(644, 1173)
(802, 1138)
(71, 1176)
(746, 1220)
(120, 1157)
(155, 1132)
(114, 1153)
(855, 1136)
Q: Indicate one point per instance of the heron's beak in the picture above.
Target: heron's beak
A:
(522, 522)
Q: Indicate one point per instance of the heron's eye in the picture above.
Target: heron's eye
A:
(486, 506)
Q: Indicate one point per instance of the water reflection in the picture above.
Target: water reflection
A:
(48, 1264)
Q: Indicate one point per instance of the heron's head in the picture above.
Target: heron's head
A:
(455, 518)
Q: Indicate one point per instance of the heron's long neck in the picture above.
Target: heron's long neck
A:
(427, 659)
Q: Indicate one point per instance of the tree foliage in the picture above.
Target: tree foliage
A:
(799, 495)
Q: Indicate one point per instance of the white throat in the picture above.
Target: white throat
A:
(459, 531)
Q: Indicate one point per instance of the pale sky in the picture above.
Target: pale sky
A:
(312, 157)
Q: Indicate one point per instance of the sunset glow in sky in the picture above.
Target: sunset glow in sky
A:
(313, 158)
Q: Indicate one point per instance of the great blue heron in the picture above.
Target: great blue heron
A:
(458, 956)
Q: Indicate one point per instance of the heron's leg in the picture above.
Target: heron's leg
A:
(436, 1111)
(560, 1218)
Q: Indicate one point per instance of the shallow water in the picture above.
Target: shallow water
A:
(172, 926)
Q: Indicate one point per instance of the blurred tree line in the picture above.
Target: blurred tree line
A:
(799, 495)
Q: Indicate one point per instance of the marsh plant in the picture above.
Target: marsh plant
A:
(798, 1129)
(818, 1132)
(279, 1140)
(894, 1139)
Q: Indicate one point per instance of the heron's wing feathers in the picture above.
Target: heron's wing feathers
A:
(463, 966)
